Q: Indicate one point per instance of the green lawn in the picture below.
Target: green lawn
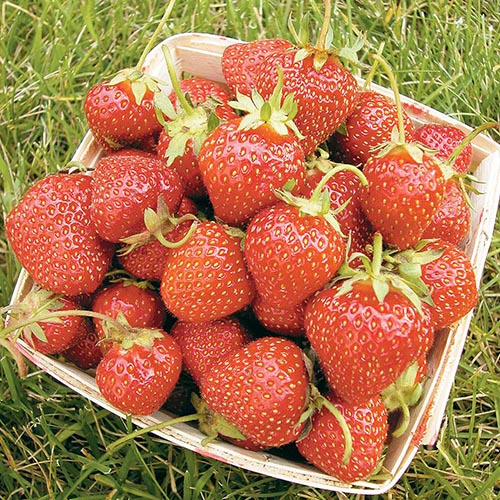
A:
(52, 442)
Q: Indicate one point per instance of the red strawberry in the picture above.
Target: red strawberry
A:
(138, 375)
(285, 321)
(49, 332)
(129, 302)
(367, 329)
(241, 60)
(86, 353)
(125, 184)
(121, 112)
(369, 125)
(262, 389)
(243, 161)
(53, 238)
(444, 139)
(180, 140)
(324, 445)
(203, 344)
(145, 255)
(206, 278)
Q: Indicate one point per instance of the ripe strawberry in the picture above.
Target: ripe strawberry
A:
(180, 140)
(444, 139)
(121, 112)
(53, 238)
(324, 445)
(125, 184)
(367, 329)
(86, 352)
(145, 255)
(369, 125)
(206, 278)
(243, 161)
(138, 375)
(131, 303)
(284, 321)
(203, 344)
(241, 60)
(49, 332)
(262, 389)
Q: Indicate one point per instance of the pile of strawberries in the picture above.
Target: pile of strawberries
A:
(287, 241)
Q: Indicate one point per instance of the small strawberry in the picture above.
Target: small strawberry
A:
(139, 372)
(52, 236)
(203, 344)
(131, 303)
(125, 184)
(261, 389)
(324, 445)
(367, 328)
(86, 353)
(369, 125)
(244, 160)
(241, 60)
(206, 278)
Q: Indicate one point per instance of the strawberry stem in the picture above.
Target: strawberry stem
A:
(321, 42)
(186, 106)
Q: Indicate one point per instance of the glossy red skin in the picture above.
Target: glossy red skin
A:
(402, 196)
(261, 389)
(139, 380)
(86, 353)
(125, 184)
(203, 344)
(452, 284)
(324, 98)
(452, 220)
(324, 445)
(141, 307)
(291, 256)
(370, 125)
(242, 168)
(52, 236)
(241, 61)
(363, 345)
(114, 117)
(444, 139)
(148, 261)
(206, 278)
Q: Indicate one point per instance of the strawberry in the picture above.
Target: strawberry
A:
(444, 139)
(47, 332)
(137, 374)
(261, 389)
(369, 125)
(325, 91)
(203, 344)
(367, 328)
(121, 112)
(131, 303)
(244, 160)
(52, 236)
(324, 445)
(125, 184)
(86, 352)
(144, 255)
(197, 102)
(241, 60)
(206, 278)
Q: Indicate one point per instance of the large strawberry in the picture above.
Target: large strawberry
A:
(241, 60)
(53, 238)
(125, 185)
(244, 160)
(324, 445)
(206, 278)
(367, 328)
(325, 91)
(140, 371)
(262, 389)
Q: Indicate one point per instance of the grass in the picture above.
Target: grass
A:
(53, 442)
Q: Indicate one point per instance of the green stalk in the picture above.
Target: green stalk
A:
(321, 43)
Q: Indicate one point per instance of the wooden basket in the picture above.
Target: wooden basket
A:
(199, 54)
